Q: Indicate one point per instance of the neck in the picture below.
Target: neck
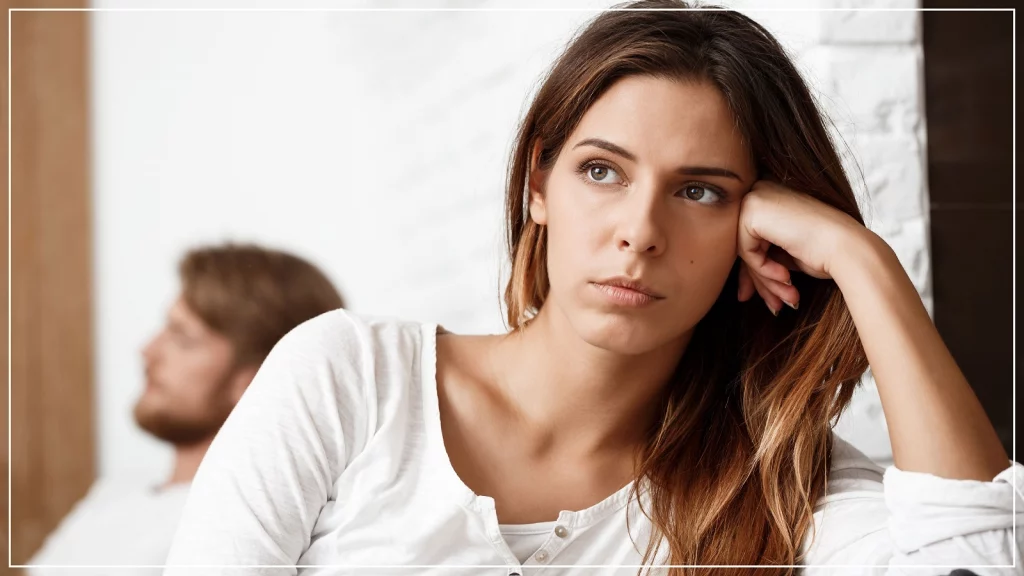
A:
(186, 461)
(593, 399)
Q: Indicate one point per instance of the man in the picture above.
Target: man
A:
(236, 302)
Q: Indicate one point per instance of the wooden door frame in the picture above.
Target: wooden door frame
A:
(52, 452)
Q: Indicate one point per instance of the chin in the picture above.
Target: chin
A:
(628, 334)
(145, 410)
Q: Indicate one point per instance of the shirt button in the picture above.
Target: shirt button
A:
(541, 556)
(561, 531)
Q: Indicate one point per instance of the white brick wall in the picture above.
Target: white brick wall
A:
(869, 63)
(375, 144)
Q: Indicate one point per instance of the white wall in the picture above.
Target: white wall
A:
(374, 144)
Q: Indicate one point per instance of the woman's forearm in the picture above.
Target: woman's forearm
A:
(936, 423)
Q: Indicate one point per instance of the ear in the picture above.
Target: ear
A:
(535, 180)
(240, 380)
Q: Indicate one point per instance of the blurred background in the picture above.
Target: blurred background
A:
(373, 143)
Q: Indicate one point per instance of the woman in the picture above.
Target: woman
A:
(643, 410)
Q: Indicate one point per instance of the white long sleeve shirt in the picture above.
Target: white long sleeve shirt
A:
(333, 461)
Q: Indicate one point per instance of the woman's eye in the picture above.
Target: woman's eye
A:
(701, 194)
(602, 174)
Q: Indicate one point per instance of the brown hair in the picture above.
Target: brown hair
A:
(743, 446)
(253, 295)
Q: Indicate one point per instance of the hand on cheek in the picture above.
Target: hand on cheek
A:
(781, 230)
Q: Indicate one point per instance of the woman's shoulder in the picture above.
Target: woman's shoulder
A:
(337, 370)
(344, 335)
(352, 356)
(852, 471)
(845, 456)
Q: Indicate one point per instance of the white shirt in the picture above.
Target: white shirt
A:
(526, 539)
(117, 523)
(334, 457)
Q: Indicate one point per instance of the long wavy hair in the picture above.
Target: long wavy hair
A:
(742, 448)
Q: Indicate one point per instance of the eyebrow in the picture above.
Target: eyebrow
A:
(685, 170)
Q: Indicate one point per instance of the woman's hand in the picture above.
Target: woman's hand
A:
(782, 230)
(936, 424)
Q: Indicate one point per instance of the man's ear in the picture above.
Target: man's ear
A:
(240, 380)
(535, 180)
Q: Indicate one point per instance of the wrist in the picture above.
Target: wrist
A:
(861, 254)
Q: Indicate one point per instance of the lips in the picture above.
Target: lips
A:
(630, 284)
(624, 291)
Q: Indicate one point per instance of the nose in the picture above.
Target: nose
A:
(149, 350)
(639, 229)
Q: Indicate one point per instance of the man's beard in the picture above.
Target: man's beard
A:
(183, 429)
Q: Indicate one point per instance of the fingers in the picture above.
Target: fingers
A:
(757, 254)
(774, 293)
(782, 257)
(772, 270)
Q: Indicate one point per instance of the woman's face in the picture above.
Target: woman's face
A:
(648, 189)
